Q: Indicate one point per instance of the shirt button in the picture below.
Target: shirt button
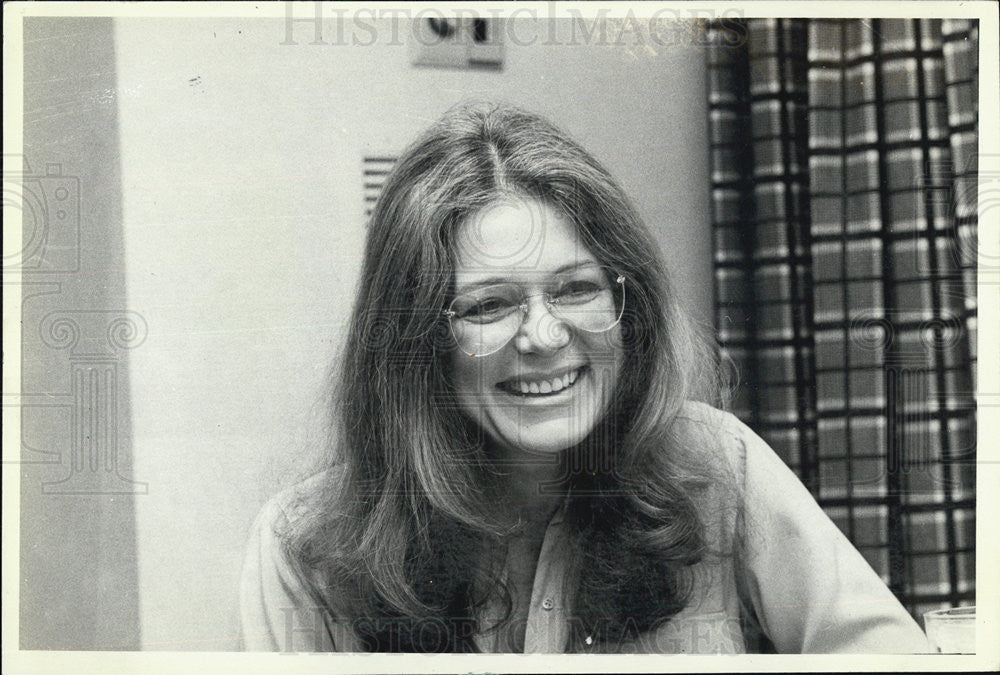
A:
(548, 604)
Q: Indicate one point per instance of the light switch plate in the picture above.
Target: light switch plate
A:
(451, 42)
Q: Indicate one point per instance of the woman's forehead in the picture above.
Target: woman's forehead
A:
(517, 238)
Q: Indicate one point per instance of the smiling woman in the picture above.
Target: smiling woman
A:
(520, 463)
(535, 369)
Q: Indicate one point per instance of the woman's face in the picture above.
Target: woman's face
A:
(545, 389)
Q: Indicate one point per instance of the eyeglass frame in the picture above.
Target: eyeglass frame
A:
(523, 308)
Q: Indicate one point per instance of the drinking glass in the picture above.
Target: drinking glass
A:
(951, 631)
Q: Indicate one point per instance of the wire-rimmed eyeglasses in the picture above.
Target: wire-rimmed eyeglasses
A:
(590, 298)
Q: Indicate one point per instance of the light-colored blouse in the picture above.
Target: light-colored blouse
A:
(807, 587)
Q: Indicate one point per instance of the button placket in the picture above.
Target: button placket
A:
(547, 631)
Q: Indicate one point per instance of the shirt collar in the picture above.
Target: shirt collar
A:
(560, 513)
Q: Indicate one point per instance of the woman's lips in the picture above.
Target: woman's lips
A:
(533, 387)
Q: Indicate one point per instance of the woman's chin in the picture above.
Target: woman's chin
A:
(543, 439)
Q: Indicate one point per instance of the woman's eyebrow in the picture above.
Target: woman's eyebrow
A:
(492, 281)
(480, 283)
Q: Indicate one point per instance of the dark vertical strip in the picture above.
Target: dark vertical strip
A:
(748, 220)
(799, 257)
(845, 282)
(79, 585)
(892, 369)
(938, 363)
(711, 65)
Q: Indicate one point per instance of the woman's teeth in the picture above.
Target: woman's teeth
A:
(543, 386)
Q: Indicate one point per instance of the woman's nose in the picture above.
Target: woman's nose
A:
(541, 331)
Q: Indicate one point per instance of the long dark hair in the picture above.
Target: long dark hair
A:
(402, 528)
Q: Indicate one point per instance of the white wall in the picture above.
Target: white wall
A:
(244, 228)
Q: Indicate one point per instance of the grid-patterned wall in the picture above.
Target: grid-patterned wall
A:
(844, 209)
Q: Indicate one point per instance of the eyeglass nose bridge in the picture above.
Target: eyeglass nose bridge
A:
(540, 334)
(550, 306)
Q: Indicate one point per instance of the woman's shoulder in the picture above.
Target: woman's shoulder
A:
(697, 414)
(292, 505)
(279, 525)
(712, 433)
(273, 585)
(712, 441)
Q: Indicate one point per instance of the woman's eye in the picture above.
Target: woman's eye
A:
(577, 291)
(490, 306)
(487, 309)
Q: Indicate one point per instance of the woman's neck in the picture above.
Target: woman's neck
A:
(531, 490)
